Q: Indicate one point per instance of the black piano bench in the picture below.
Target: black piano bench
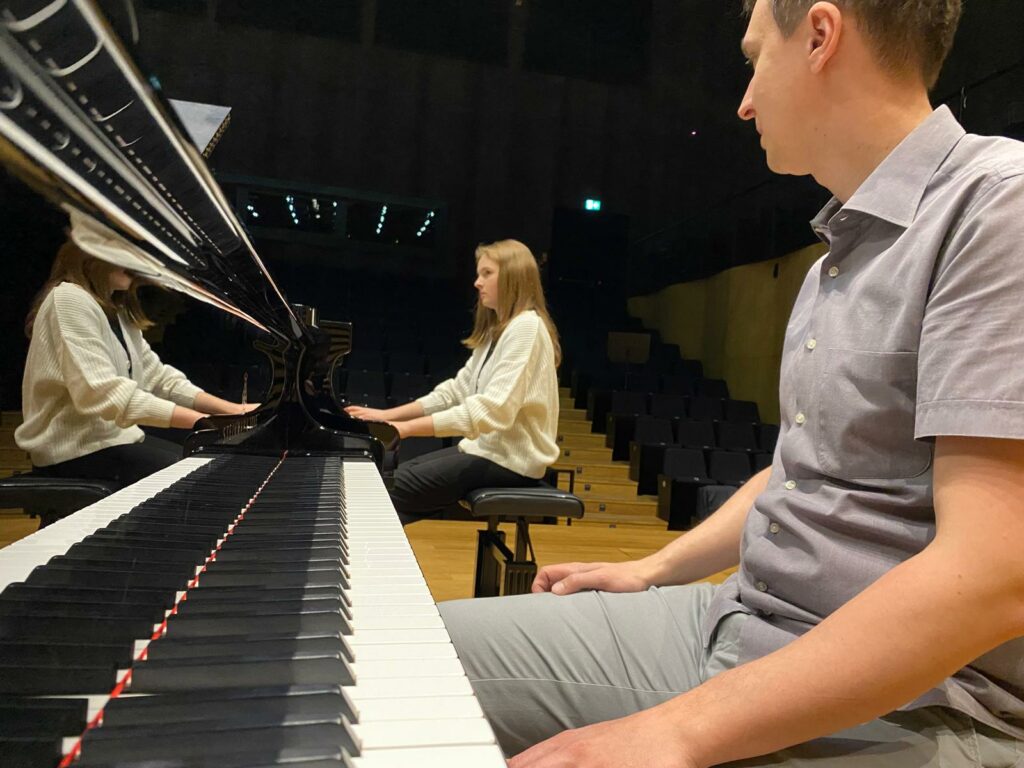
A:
(518, 505)
(51, 498)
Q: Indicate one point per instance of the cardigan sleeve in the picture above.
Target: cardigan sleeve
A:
(164, 380)
(93, 382)
(496, 407)
(450, 392)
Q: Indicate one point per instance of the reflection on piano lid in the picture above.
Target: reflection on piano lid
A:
(81, 125)
(204, 123)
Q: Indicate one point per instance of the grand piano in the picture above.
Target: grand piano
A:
(257, 603)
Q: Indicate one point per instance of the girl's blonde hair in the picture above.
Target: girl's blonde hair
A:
(519, 290)
(73, 265)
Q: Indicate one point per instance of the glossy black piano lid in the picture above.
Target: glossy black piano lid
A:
(80, 123)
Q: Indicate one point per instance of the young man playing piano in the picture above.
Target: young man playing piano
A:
(877, 616)
(504, 401)
(91, 378)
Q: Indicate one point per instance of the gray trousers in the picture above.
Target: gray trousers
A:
(541, 664)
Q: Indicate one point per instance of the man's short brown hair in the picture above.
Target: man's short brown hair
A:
(907, 34)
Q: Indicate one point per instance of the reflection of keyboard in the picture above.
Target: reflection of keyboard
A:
(306, 634)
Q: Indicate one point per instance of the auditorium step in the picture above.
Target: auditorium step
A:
(587, 455)
(570, 440)
(640, 506)
(13, 457)
(580, 428)
(10, 418)
(574, 416)
(594, 470)
(607, 489)
(604, 520)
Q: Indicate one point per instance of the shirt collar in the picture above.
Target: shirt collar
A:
(894, 190)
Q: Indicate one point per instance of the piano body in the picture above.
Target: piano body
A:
(257, 603)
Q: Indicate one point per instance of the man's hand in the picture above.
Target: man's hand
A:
(648, 739)
(567, 578)
(365, 414)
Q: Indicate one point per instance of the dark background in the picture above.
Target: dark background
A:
(508, 113)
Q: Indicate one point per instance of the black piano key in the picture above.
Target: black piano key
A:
(202, 593)
(24, 716)
(87, 629)
(60, 572)
(282, 555)
(327, 756)
(30, 751)
(188, 647)
(273, 624)
(157, 597)
(55, 681)
(321, 698)
(153, 676)
(167, 569)
(190, 740)
(56, 652)
(90, 548)
(294, 578)
(154, 614)
(262, 607)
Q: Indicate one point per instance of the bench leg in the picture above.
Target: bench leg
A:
(492, 554)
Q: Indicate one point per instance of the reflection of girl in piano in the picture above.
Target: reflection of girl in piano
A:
(504, 401)
(91, 379)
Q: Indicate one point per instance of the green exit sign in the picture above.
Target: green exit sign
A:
(592, 204)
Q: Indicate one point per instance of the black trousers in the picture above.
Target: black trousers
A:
(123, 464)
(429, 483)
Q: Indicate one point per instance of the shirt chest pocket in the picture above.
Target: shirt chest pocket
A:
(866, 407)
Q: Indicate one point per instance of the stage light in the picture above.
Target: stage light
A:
(592, 204)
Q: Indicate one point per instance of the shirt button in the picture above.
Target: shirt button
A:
(833, 271)
(790, 485)
(800, 418)
(761, 586)
(812, 343)
(774, 528)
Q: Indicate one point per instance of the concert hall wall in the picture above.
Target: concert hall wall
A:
(733, 322)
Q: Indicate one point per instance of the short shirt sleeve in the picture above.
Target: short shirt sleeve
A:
(971, 355)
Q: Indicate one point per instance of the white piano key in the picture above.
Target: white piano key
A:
(366, 669)
(432, 757)
(397, 688)
(361, 622)
(401, 651)
(426, 732)
(441, 708)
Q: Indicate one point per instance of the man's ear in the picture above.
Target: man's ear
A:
(825, 25)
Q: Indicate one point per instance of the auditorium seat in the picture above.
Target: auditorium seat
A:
(705, 408)
(683, 473)
(406, 387)
(738, 437)
(768, 436)
(406, 362)
(696, 434)
(713, 388)
(668, 406)
(621, 405)
(729, 468)
(678, 384)
(372, 383)
(762, 461)
(651, 438)
(365, 359)
(741, 410)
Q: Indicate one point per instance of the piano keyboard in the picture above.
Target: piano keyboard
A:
(361, 673)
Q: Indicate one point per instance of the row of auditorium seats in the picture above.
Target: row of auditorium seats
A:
(654, 437)
(688, 475)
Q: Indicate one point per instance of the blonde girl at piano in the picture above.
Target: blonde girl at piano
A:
(91, 379)
(503, 403)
